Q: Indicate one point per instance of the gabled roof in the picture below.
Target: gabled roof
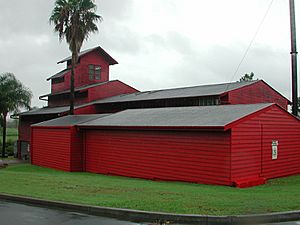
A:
(195, 91)
(59, 74)
(101, 51)
(191, 117)
(81, 88)
(70, 120)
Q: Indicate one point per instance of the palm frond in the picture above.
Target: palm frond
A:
(13, 94)
(74, 20)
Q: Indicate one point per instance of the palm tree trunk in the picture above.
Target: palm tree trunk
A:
(72, 94)
(4, 135)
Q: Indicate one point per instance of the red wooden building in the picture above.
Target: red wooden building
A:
(236, 145)
(91, 83)
(61, 141)
(249, 92)
(236, 133)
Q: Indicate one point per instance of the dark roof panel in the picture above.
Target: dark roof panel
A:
(102, 52)
(199, 116)
(196, 91)
(70, 120)
(46, 110)
(51, 110)
(59, 74)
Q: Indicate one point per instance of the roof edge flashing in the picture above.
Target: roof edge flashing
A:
(102, 52)
(183, 128)
(240, 120)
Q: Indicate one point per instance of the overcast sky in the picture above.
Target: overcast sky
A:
(158, 43)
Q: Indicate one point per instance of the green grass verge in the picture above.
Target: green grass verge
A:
(11, 134)
(11, 131)
(176, 197)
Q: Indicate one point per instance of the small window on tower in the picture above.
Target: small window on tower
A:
(58, 80)
(91, 72)
(97, 72)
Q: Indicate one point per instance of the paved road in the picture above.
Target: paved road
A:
(288, 223)
(18, 214)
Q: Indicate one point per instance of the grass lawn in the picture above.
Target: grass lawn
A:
(112, 191)
(11, 134)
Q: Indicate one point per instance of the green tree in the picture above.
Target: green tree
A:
(74, 21)
(13, 96)
(247, 77)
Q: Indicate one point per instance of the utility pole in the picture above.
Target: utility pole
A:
(294, 59)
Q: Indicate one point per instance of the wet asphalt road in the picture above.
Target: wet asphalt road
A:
(18, 214)
(287, 223)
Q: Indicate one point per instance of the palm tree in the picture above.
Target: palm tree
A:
(74, 20)
(13, 96)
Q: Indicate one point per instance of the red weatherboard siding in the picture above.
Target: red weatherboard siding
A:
(252, 141)
(85, 110)
(51, 148)
(82, 73)
(110, 89)
(24, 130)
(63, 100)
(106, 90)
(287, 131)
(95, 59)
(26, 121)
(258, 92)
(201, 157)
(76, 150)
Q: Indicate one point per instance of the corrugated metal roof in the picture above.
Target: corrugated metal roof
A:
(77, 89)
(46, 110)
(199, 116)
(70, 120)
(196, 91)
(109, 59)
(52, 110)
(59, 74)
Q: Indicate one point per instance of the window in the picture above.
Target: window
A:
(94, 72)
(97, 72)
(58, 80)
(91, 72)
(209, 100)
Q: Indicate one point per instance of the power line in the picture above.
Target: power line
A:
(251, 42)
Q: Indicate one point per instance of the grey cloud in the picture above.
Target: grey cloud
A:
(30, 49)
(180, 43)
(172, 41)
(24, 17)
(114, 9)
(121, 39)
(114, 34)
(219, 63)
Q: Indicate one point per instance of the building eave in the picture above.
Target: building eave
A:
(105, 55)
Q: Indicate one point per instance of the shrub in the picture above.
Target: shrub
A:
(9, 147)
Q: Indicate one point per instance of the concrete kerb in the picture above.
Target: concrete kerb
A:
(144, 216)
